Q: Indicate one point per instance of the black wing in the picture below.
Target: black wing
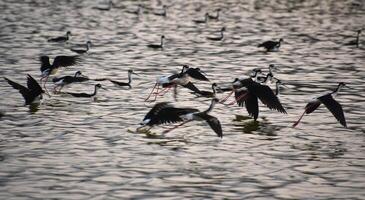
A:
(238, 96)
(119, 83)
(65, 61)
(156, 109)
(23, 90)
(34, 86)
(169, 114)
(266, 96)
(44, 63)
(196, 74)
(192, 87)
(213, 123)
(252, 105)
(334, 107)
(268, 44)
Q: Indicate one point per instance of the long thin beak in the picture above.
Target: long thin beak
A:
(135, 73)
(349, 87)
(103, 88)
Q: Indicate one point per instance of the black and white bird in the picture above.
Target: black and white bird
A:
(220, 37)
(163, 13)
(122, 84)
(248, 92)
(82, 50)
(61, 38)
(87, 95)
(157, 46)
(332, 105)
(271, 45)
(48, 69)
(205, 20)
(32, 94)
(269, 76)
(60, 82)
(216, 17)
(355, 42)
(164, 113)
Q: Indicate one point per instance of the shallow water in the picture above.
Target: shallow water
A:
(71, 148)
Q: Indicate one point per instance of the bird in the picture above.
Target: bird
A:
(164, 113)
(86, 95)
(138, 11)
(61, 38)
(110, 5)
(163, 13)
(60, 82)
(269, 76)
(157, 46)
(202, 21)
(328, 100)
(248, 91)
(355, 42)
(218, 38)
(271, 45)
(216, 17)
(32, 94)
(254, 73)
(278, 83)
(82, 51)
(59, 61)
(130, 72)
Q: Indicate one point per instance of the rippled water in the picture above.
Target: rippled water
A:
(74, 148)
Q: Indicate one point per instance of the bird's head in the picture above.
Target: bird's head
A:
(281, 40)
(132, 72)
(68, 33)
(359, 31)
(98, 86)
(223, 29)
(162, 37)
(78, 73)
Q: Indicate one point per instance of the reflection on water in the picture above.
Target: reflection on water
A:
(81, 148)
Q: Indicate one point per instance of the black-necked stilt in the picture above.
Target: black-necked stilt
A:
(157, 46)
(269, 76)
(271, 45)
(61, 38)
(328, 100)
(60, 61)
(81, 51)
(32, 93)
(212, 93)
(163, 13)
(66, 80)
(86, 95)
(205, 20)
(107, 8)
(216, 17)
(130, 72)
(218, 38)
(255, 73)
(355, 42)
(164, 113)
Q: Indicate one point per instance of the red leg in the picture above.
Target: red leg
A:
(300, 118)
(153, 89)
(225, 99)
(238, 99)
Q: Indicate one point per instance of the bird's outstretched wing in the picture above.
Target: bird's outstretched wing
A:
(252, 105)
(192, 87)
(45, 64)
(196, 73)
(266, 96)
(23, 90)
(239, 96)
(213, 123)
(34, 86)
(65, 61)
(334, 107)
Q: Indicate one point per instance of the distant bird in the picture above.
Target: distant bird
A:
(254, 73)
(110, 5)
(163, 13)
(355, 42)
(253, 92)
(61, 38)
(157, 46)
(82, 51)
(60, 82)
(328, 100)
(271, 45)
(130, 72)
(202, 21)
(278, 83)
(218, 38)
(138, 11)
(164, 113)
(216, 17)
(60, 61)
(86, 95)
(32, 93)
(269, 76)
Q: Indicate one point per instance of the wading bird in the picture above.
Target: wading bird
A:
(61, 38)
(82, 51)
(157, 46)
(218, 38)
(164, 113)
(86, 95)
(216, 17)
(271, 45)
(130, 72)
(32, 94)
(60, 82)
(328, 100)
(60, 61)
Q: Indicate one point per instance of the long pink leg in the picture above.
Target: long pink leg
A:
(225, 99)
(153, 89)
(45, 88)
(170, 129)
(300, 118)
(239, 98)
(156, 93)
(165, 90)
